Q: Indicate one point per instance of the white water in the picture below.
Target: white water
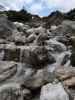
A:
(59, 60)
(59, 56)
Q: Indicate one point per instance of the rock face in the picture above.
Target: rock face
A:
(54, 18)
(65, 73)
(39, 78)
(6, 27)
(67, 76)
(73, 51)
(53, 92)
(36, 54)
(13, 91)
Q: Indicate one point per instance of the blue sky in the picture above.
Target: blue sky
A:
(40, 7)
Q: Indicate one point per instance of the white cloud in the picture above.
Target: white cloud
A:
(37, 6)
(28, 1)
(14, 4)
(63, 5)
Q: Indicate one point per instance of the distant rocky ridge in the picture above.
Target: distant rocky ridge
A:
(55, 18)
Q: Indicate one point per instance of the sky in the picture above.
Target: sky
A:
(40, 7)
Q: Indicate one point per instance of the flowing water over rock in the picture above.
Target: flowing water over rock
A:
(35, 59)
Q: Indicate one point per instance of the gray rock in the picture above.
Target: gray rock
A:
(62, 30)
(19, 38)
(31, 38)
(69, 23)
(7, 70)
(6, 27)
(56, 46)
(64, 39)
(22, 27)
(65, 73)
(39, 78)
(29, 57)
(53, 92)
(11, 53)
(22, 74)
(36, 56)
(33, 55)
(14, 72)
(36, 30)
(67, 76)
(41, 39)
(13, 91)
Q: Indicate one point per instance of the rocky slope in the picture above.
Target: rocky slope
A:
(36, 62)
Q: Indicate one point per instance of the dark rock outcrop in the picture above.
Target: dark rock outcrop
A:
(54, 18)
(6, 27)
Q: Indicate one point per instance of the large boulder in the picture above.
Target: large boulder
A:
(9, 31)
(7, 70)
(6, 27)
(37, 56)
(64, 73)
(31, 38)
(13, 91)
(53, 92)
(56, 46)
(67, 76)
(39, 78)
(14, 72)
(12, 55)
(36, 30)
(66, 28)
(71, 24)
(24, 75)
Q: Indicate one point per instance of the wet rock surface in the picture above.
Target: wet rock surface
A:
(36, 62)
(53, 92)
